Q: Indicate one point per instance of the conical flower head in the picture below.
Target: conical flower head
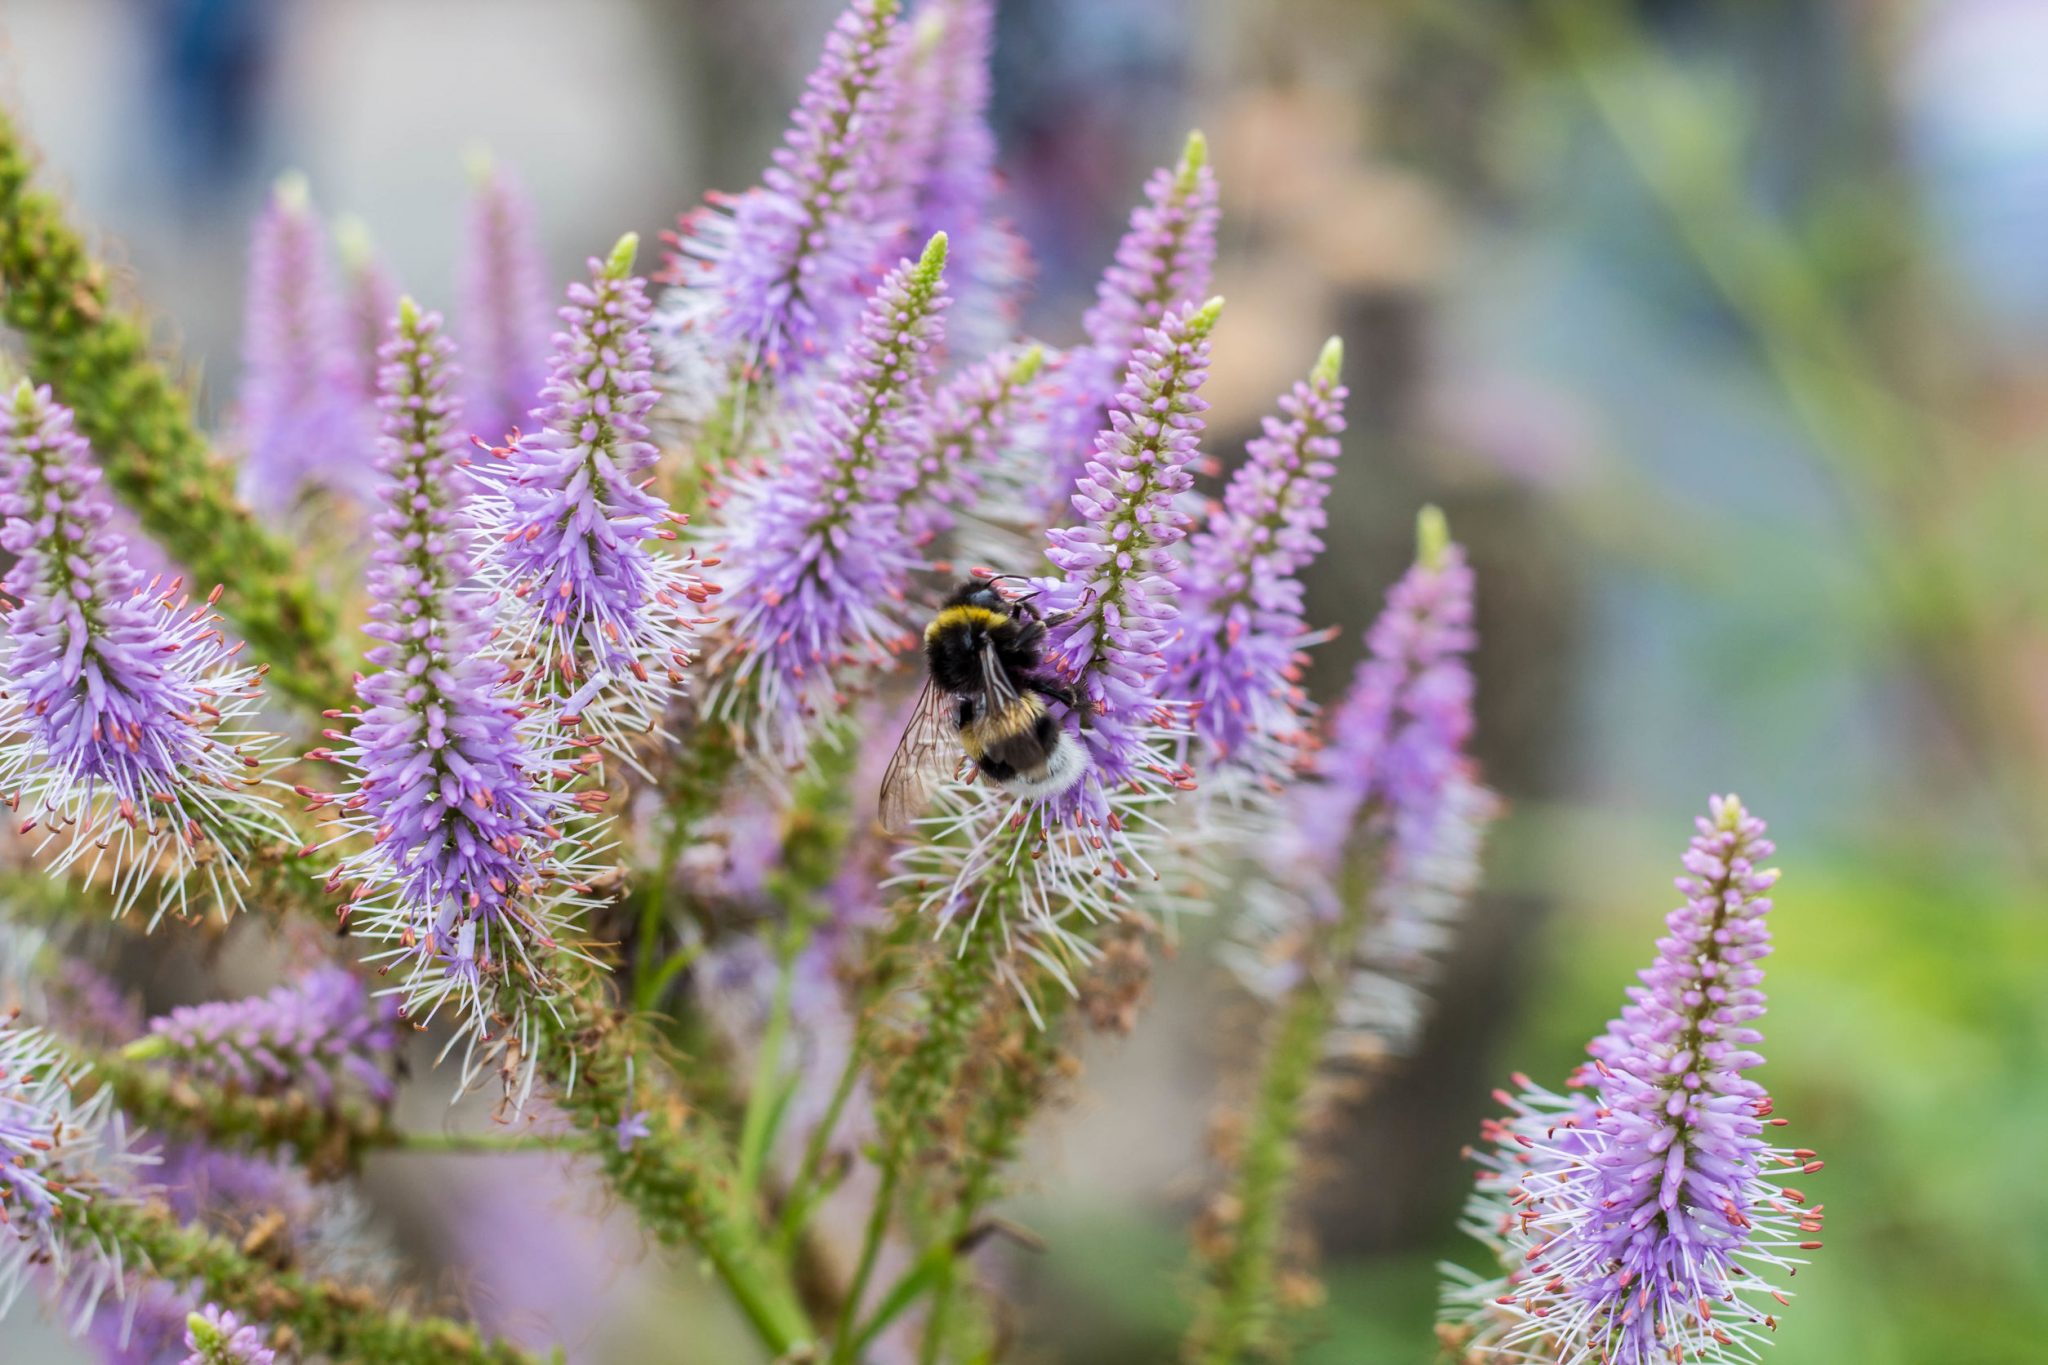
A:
(777, 286)
(304, 416)
(120, 727)
(504, 305)
(1640, 1217)
(1163, 261)
(1236, 657)
(321, 1035)
(462, 801)
(818, 561)
(977, 416)
(598, 609)
(215, 1336)
(369, 296)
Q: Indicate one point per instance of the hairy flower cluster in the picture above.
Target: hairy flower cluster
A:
(1640, 1217)
(504, 306)
(468, 806)
(215, 1336)
(305, 421)
(1163, 261)
(1236, 661)
(322, 1035)
(595, 611)
(771, 283)
(120, 728)
(56, 1155)
(817, 560)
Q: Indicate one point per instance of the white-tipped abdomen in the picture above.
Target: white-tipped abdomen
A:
(1064, 766)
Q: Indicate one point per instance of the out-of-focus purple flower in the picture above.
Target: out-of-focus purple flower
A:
(776, 285)
(818, 561)
(147, 1329)
(1119, 574)
(55, 1154)
(631, 1129)
(369, 296)
(1640, 1218)
(597, 610)
(466, 808)
(215, 1336)
(1237, 657)
(504, 305)
(974, 416)
(303, 416)
(322, 1034)
(1163, 262)
(119, 729)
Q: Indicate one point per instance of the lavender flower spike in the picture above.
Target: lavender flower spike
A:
(217, 1337)
(1640, 1217)
(56, 1155)
(818, 558)
(1237, 659)
(1163, 261)
(120, 727)
(467, 806)
(595, 610)
(975, 417)
(369, 298)
(778, 284)
(504, 304)
(321, 1035)
(1115, 600)
(303, 418)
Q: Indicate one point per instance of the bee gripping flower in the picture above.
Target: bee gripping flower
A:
(504, 304)
(1236, 659)
(595, 608)
(120, 738)
(1641, 1217)
(215, 1336)
(818, 558)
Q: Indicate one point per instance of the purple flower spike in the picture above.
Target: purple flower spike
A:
(303, 417)
(504, 312)
(1163, 262)
(215, 1336)
(119, 729)
(1237, 660)
(1117, 592)
(597, 609)
(974, 417)
(777, 285)
(818, 557)
(1640, 1217)
(321, 1035)
(369, 300)
(466, 807)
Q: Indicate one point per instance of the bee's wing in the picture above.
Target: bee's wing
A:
(927, 751)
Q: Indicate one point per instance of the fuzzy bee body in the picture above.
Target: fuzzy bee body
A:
(985, 699)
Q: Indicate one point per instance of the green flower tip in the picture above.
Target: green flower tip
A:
(479, 163)
(1026, 368)
(887, 9)
(924, 39)
(24, 396)
(1732, 812)
(1432, 537)
(205, 1335)
(1193, 156)
(144, 1049)
(619, 264)
(1203, 321)
(1329, 364)
(352, 240)
(408, 314)
(294, 193)
(933, 263)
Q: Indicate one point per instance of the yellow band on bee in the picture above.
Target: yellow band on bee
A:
(952, 618)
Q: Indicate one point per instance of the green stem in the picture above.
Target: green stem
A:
(870, 1251)
(765, 1096)
(337, 1321)
(96, 358)
(486, 1142)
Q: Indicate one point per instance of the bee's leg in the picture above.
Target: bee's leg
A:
(1060, 618)
(1072, 698)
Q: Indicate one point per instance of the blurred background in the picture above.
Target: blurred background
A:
(1719, 329)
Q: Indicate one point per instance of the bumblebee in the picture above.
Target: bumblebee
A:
(985, 698)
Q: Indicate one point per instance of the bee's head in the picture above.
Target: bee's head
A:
(981, 593)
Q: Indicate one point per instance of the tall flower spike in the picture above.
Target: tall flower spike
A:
(369, 298)
(504, 304)
(304, 419)
(976, 416)
(1237, 658)
(1115, 601)
(1163, 261)
(321, 1035)
(1640, 1217)
(818, 559)
(56, 1155)
(121, 734)
(597, 612)
(776, 285)
(217, 1337)
(468, 809)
